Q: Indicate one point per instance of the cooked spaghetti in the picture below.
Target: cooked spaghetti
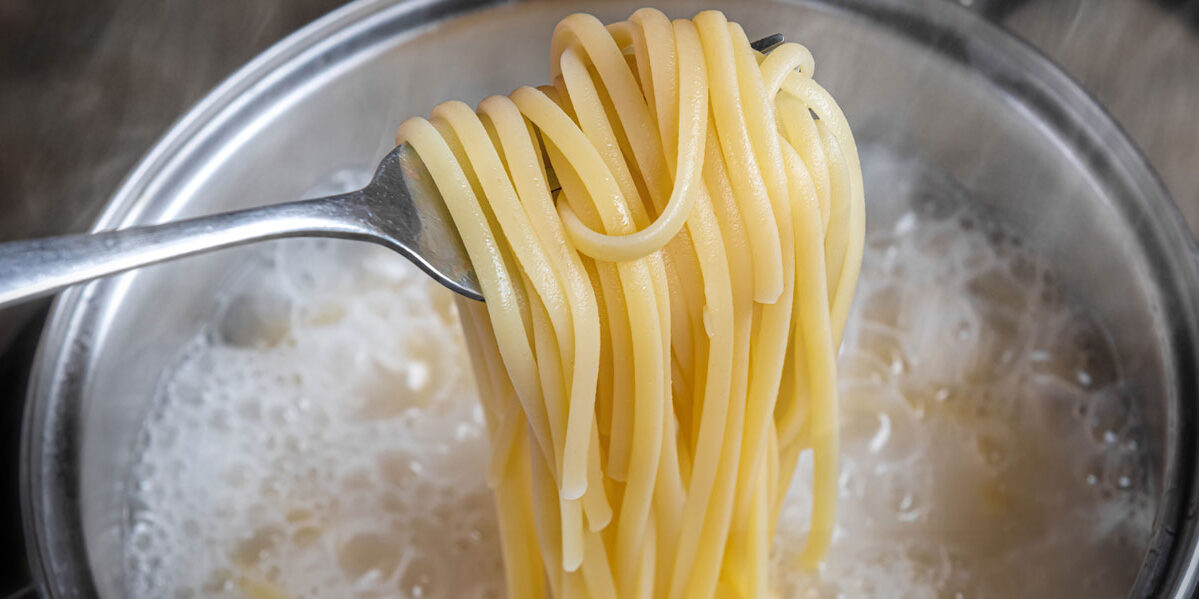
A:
(668, 239)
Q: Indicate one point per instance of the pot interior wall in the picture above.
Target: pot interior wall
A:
(909, 89)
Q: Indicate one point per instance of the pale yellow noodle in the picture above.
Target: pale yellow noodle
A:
(749, 187)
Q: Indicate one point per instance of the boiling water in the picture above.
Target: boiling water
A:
(989, 446)
(321, 438)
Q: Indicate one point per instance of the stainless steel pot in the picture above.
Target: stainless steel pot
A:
(920, 78)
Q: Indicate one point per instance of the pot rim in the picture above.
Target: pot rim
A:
(51, 424)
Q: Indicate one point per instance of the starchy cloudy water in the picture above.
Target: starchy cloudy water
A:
(321, 437)
(989, 447)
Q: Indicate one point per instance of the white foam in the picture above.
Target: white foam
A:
(321, 438)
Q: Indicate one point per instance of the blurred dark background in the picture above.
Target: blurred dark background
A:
(86, 87)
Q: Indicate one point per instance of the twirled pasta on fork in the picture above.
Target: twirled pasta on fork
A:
(668, 238)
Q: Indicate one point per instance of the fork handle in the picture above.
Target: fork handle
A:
(38, 267)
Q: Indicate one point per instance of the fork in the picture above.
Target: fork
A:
(400, 209)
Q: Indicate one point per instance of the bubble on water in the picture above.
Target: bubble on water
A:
(259, 319)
